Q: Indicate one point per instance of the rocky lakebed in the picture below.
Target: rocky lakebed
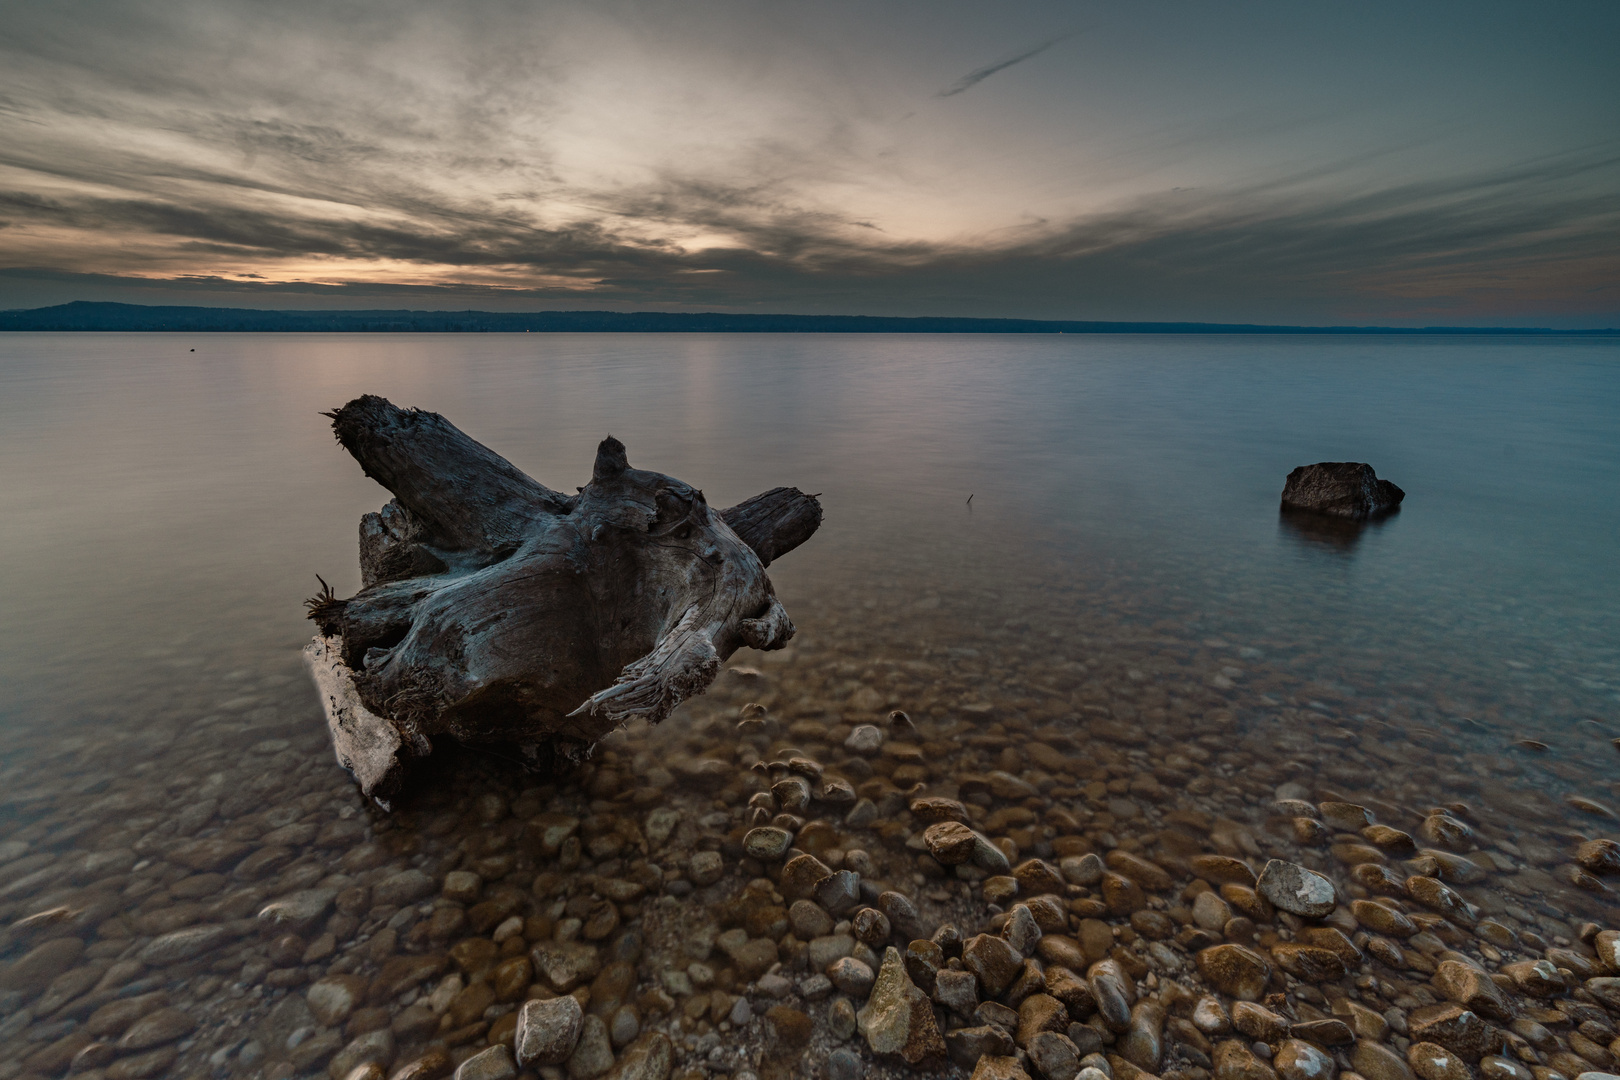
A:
(1133, 850)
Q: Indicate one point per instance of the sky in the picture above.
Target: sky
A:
(1409, 163)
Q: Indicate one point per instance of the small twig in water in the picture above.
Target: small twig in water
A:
(970, 500)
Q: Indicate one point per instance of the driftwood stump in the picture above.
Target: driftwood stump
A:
(495, 610)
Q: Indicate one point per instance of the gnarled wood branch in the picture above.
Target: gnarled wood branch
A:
(494, 609)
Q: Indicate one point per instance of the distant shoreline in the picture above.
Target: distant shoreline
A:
(140, 318)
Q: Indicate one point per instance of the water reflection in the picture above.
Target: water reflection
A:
(1324, 531)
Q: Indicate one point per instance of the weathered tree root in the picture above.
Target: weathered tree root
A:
(496, 610)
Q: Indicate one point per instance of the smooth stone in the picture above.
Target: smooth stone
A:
(767, 843)
(1295, 889)
(1377, 1062)
(865, 739)
(1299, 1060)
(1431, 1061)
(808, 920)
(1234, 970)
(304, 906)
(1085, 870)
(187, 944)
(37, 968)
(333, 998)
(844, 1064)
(705, 868)
(593, 1053)
(851, 976)
(1501, 1068)
(651, 1057)
(462, 887)
(548, 1031)
(155, 1029)
(371, 1048)
(1473, 989)
(492, 1064)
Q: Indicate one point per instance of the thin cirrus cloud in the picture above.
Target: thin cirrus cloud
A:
(734, 157)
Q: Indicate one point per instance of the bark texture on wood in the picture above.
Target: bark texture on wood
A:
(494, 609)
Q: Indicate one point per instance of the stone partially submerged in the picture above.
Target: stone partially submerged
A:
(495, 610)
(1341, 489)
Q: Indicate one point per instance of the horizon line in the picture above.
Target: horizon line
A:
(118, 317)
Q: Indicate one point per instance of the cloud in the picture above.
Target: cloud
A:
(741, 157)
(1524, 244)
(974, 78)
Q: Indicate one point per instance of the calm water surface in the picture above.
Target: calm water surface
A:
(1121, 566)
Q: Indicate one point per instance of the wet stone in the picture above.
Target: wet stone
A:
(186, 944)
(1085, 870)
(593, 1053)
(371, 1048)
(649, 1058)
(864, 739)
(1474, 990)
(1258, 1022)
(767, 843)
(494, 1063)
(808, 920)
(1295, 889)
(1325, 1032)
(1453, 1027)
(1434, 1062)
(993, 961)
(898, 1019)
(958, 991)
(548, 1031)
(951, 842)
(705, 868)
(1234, 970)
(1234, 1061)
(1377, 1062)
(1297, 1060)
(332, 999)
(1054, 1056)
(1308, 963)
(851, 976)
(155, 1029)
(839, 893)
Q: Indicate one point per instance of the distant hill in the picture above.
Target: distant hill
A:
(85, 315)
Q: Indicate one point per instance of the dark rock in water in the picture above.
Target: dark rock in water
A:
(1345, 489)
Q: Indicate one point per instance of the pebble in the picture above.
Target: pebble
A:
(767, 844)
(1293, 888)
(898, 1018)
(548, 1031)
(851, 976)
(187, 944)
(705, 868)
(593, 1052)
(1234, 970)
(492, 1064)
(1299, 1060)
(864, 739)
(1434, 1062)
(844, 1064)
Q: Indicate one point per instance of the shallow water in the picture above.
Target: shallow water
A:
(1119, 591)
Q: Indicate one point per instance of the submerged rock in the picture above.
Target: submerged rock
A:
(1346, 489)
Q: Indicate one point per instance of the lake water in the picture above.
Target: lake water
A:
(1119, 587)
